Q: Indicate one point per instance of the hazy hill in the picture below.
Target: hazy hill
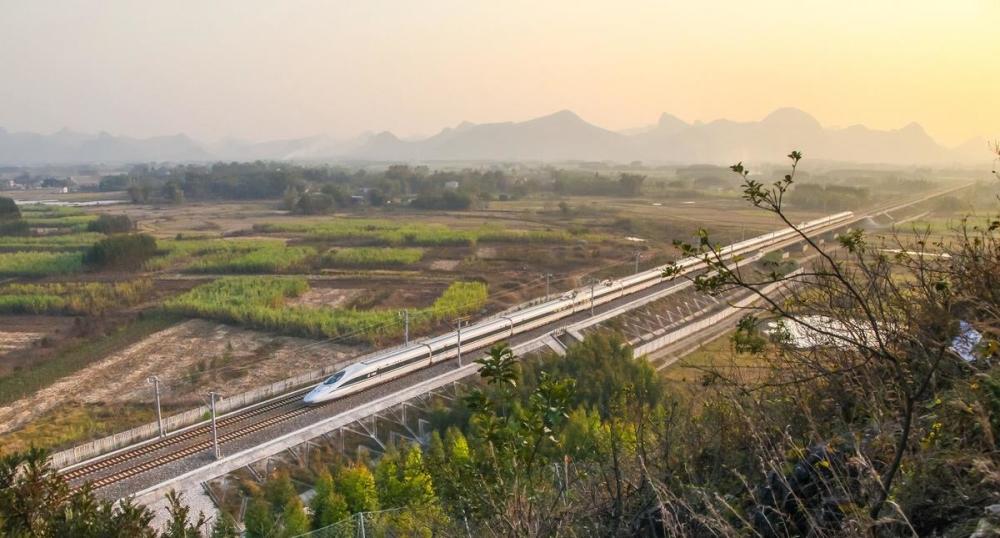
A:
(556, 137)
(561, 136)
(70, 147)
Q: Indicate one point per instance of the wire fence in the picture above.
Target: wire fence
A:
(391, 523)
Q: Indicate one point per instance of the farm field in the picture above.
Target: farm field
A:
(232, 288)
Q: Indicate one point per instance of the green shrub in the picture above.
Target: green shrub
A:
(111, 224)
(9, 209)
(11, 222)
(122, 251)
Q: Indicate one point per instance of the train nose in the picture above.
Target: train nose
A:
(311, 397)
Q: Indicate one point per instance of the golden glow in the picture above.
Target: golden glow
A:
(268, 69)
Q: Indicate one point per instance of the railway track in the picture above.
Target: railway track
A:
(190, 450)
(80, 471)
(131, 462)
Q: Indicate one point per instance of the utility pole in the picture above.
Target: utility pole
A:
(547, 277)
(592, 284)
(215, 431)
(361, 524)
(406, 327)
(460, 343)
(637, 256)
(156, 390)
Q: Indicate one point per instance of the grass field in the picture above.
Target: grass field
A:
(74, 298)
(75, 423)
(265, 259)
(385, 232)
(182, 252)
(258, 302)
(24, 263)
(50, 242)
(372, 257)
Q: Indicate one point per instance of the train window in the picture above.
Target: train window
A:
(334, 378)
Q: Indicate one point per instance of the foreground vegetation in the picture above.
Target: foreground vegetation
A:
(258, 302)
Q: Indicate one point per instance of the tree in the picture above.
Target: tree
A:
(224, 527)
(512, 487)
(173, 192)
(139, 192)
(35, 501)
(315, 203)
(376, 197)
(328, 506)
(258, 519)
(631, 184)
(890, 322)
(180, 525)
(357, 485)
(290, 199)
(294, 520)
(402, 480)
(279, 490)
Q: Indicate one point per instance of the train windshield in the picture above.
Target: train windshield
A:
(334, 378)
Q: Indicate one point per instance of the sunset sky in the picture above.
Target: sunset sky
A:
(272, 69)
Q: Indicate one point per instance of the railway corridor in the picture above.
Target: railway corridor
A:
(149, 467)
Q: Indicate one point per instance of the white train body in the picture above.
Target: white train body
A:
(401, 361)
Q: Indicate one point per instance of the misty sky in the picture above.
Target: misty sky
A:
(274, 69)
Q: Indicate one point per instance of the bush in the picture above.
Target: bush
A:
(122, 251)
(9, 209)
(315, 203)
(111, 224)
(11, 222)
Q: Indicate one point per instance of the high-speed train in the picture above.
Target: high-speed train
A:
(400, 361)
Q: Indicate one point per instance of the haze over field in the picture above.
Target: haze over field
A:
(313, 75)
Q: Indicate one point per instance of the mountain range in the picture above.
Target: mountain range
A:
(562, 136)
